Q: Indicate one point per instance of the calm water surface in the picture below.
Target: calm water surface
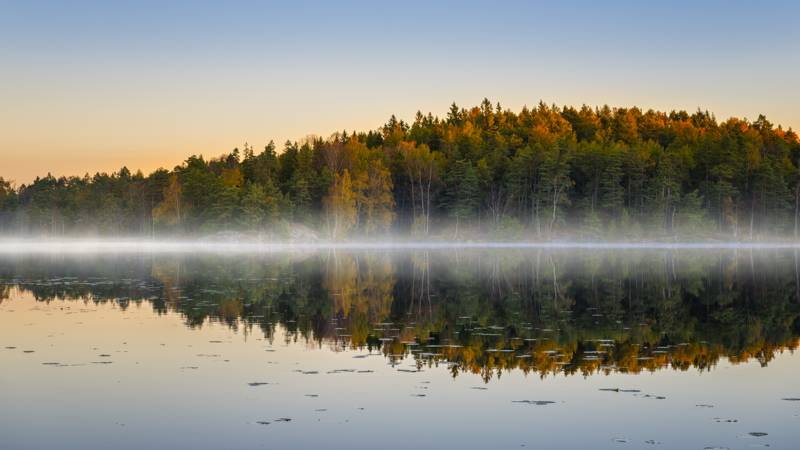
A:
(364, 350)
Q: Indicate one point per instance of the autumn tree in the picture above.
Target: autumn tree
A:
(168, 211)
(340, 206)
(421, 165)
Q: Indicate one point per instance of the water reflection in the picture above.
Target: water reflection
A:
(478, 312)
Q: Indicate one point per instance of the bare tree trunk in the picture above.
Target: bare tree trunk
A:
(428, 214)
(796, 278)
(796, 207)
(421, 195)
(413, 199)
(667, 224)
(556, 195)
(178, 208)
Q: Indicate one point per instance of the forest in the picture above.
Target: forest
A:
(546, 172)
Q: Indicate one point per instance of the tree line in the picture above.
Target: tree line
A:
(543, 172)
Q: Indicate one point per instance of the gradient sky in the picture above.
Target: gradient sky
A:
(88, 86)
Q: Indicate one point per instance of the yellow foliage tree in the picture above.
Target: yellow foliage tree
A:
(169, 210)
(378, 200)
(340, 205)
(232, 177)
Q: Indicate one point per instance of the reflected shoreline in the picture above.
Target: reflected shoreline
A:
(481, 312)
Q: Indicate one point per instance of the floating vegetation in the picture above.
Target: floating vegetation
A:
(657, 397)
(534, 402)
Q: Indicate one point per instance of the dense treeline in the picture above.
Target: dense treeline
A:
(543, 172)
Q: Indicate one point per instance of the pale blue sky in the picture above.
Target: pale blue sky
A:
(89, 86)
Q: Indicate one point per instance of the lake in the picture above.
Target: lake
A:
(423, 349)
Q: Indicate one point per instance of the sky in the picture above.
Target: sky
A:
(94, 86)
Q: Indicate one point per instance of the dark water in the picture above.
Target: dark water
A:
(440, 349)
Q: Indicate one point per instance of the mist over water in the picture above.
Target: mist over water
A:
(212, 246)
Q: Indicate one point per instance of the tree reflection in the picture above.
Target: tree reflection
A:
(478, 312)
